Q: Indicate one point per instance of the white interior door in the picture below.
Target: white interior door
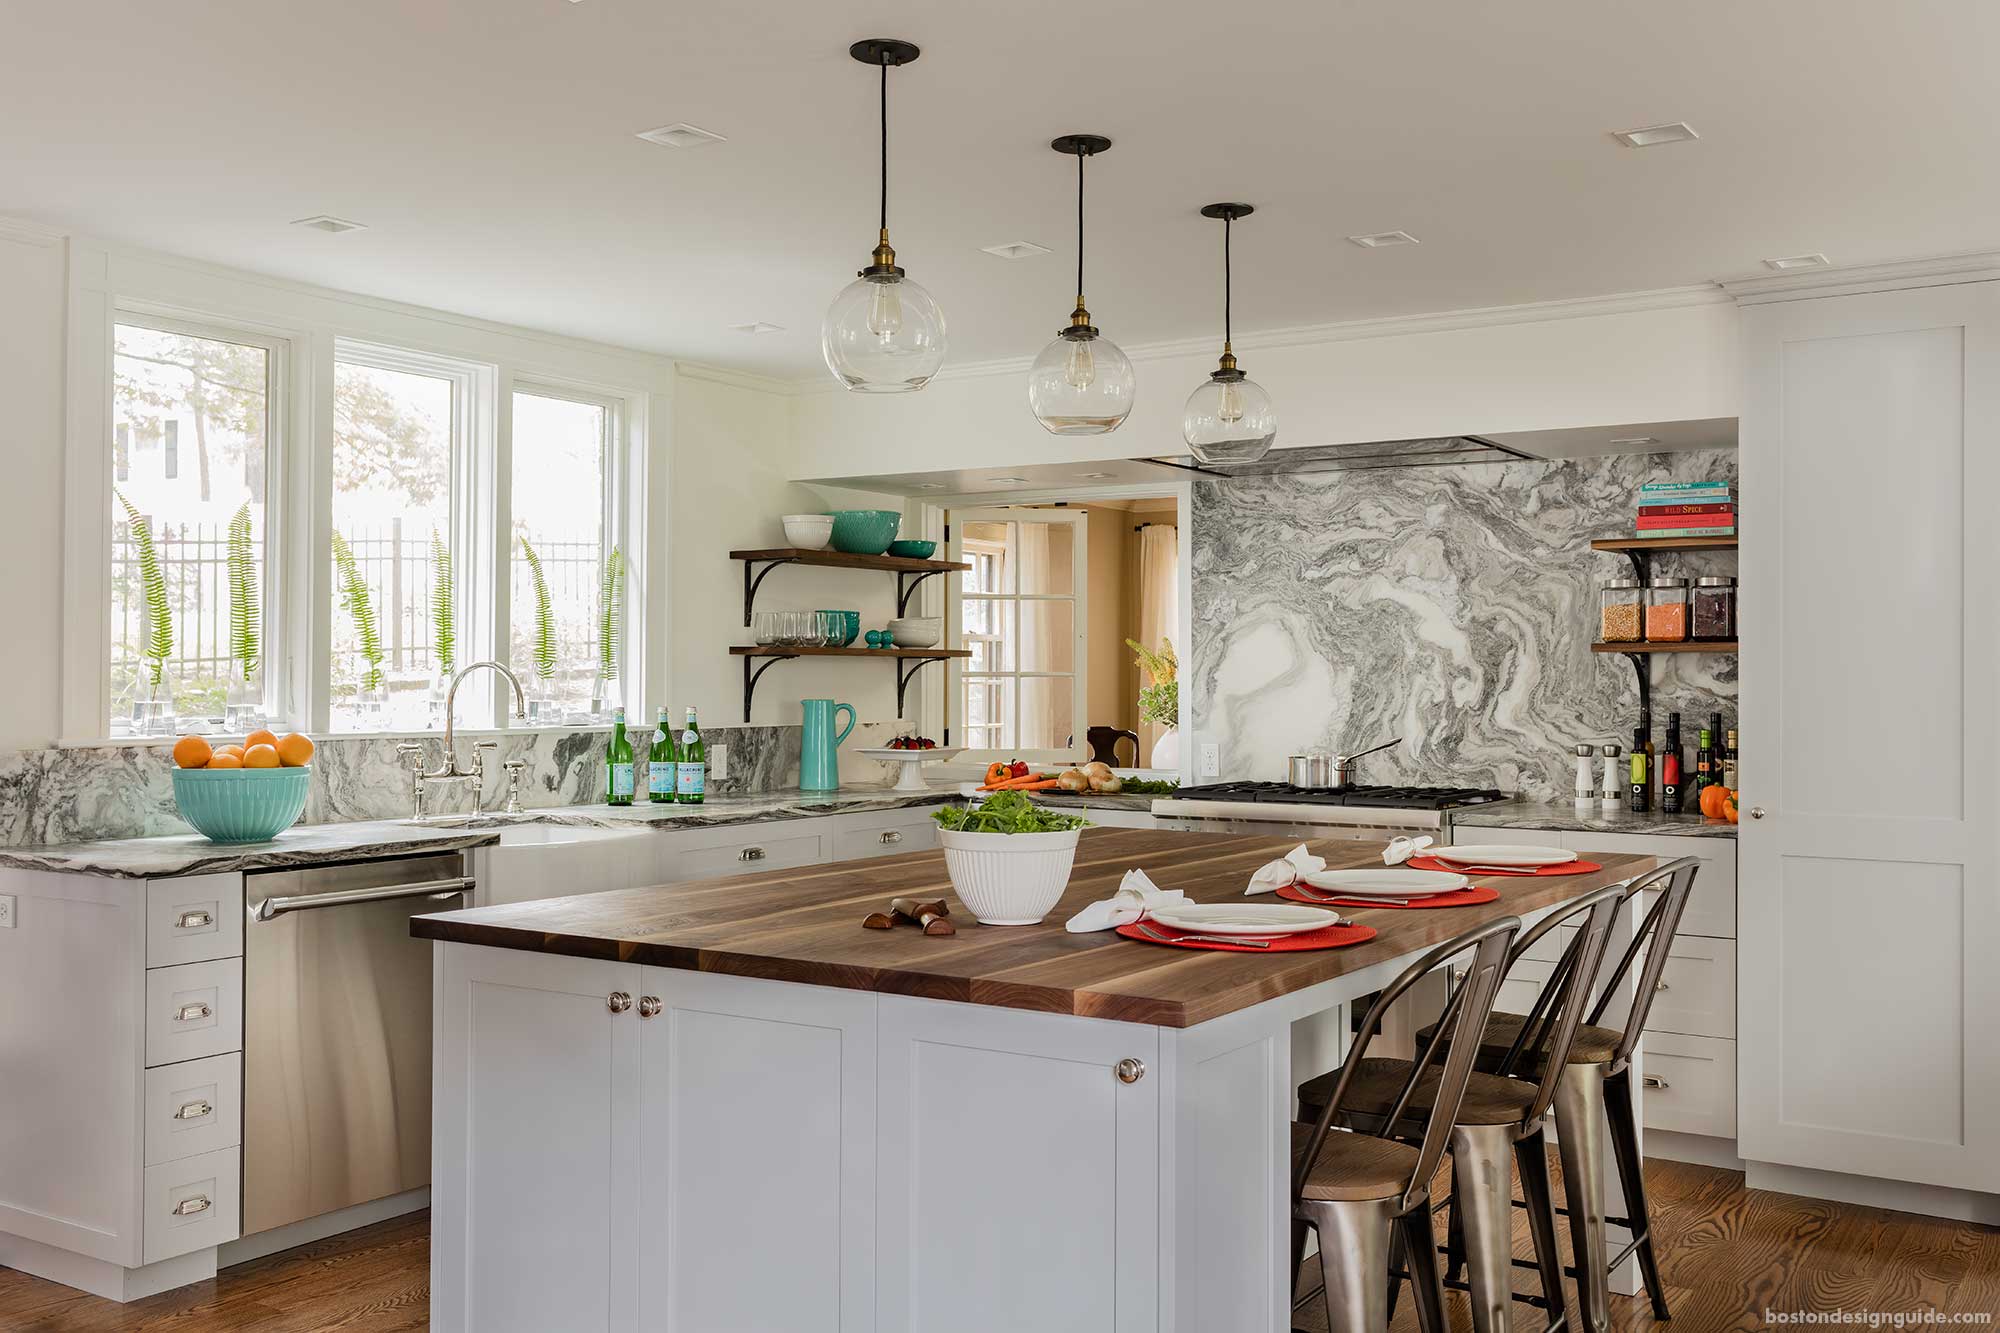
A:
(1870, 894)
(1021, 610)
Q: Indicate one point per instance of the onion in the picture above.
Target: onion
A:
(1074, 779)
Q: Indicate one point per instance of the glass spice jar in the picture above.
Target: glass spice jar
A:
(1667, 611)
(1714, 609)
(1621, 610)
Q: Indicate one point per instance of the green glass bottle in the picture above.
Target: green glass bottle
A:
(691, 772)
(660, 762)
(618, 763)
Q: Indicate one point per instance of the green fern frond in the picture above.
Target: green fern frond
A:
(545, 618)
(245, 613)
(354, 596)
(611, 615)
(159, 645)
(444, 613)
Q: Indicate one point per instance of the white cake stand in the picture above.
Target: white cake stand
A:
(913, 761)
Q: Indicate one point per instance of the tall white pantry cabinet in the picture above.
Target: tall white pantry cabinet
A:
(1870, 848)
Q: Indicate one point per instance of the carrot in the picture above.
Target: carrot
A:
(1033, 782)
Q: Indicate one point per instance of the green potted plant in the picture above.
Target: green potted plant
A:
(444, 626)
(243, 702)
(606, 694)
(542, 640)
(153, 700)
(1160, 699)
(360, 608)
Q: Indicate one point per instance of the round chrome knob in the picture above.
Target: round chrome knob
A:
(1756, 812)
(1130, 1070)
(618, 1002)
(649, 1006)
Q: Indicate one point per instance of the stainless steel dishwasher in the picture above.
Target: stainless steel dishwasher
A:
(337, 1034)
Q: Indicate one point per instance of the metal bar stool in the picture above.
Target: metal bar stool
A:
(1368, 1198)
(1501, 1113)
(1594, 1098)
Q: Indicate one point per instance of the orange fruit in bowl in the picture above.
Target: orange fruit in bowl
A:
(235, 750)
(192, 752)
(295, 750)
(259, 737)
(222, 760)
(261, 756)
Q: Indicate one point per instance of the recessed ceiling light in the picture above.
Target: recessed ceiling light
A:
(1015, 250)
(757, 326)
(682, 135)
(1798, 261)
(1648, 136)
(930, 485)
(327, 222)
(1010, 480)
(1381, 238)
(1095, 476)
(1637, 440)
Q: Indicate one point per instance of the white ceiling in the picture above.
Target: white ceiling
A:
(488, 145)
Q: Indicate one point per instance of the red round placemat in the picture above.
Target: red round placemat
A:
(1468, 897)
(1566, 868)
(1327, 937)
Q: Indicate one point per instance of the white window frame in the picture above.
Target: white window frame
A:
(1078, 597)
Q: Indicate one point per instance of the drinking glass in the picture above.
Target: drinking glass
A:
(785, 628)
(764, 627)
(812, 634)
(832, 627)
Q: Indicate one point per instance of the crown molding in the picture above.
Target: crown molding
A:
(1389, 326)
(30, 233)
(1803, 284)
(736, 379)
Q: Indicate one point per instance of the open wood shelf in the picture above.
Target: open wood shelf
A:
(796, 555)
(1691, 646)
(1623, 544)
(779, 650)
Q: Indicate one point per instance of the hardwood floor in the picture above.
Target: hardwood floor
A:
(1727, 1254)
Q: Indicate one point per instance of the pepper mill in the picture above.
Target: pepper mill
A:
(1611, 794)
(1586, 774)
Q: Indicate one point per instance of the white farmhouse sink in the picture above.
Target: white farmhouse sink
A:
(556, 860)
(557, 835)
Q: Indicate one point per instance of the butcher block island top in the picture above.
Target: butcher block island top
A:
(804, 925)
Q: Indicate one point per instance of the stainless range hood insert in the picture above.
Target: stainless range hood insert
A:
(1446, 451)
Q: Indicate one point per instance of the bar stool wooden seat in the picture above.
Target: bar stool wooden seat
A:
(1366, 1197)
(1500, 1114)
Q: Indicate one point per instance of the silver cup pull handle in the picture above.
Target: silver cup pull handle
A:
(194, 920)
(751, 854)
(193, 1111)
(188, 1207)
(192, 1013)
(892, 837)
(1661, 987)
(1657, 1084)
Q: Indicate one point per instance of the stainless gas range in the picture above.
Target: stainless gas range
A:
(1359, 813)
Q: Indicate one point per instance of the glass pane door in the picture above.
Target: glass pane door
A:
(1020, 612)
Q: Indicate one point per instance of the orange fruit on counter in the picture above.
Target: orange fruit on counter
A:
(235, 750)
(192, 752)
(257, 738)
(261, 756)
(295, 750)
(222, 760)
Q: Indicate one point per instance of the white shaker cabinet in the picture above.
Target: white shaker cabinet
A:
(1870, 848)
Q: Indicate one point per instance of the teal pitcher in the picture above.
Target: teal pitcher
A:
(819, 749)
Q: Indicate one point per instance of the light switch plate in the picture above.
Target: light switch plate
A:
(8, 911)
(718, 762)
(1211, 759)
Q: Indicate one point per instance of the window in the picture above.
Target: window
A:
(395, 615)
(1019, 613)
(188, 565)
(567, 613)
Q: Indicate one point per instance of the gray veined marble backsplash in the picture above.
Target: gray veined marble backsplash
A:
(126, 791)
(1451, 606)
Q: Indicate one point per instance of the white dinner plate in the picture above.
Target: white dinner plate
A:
(1499, 854)
(1386, 883)
(1244, 918)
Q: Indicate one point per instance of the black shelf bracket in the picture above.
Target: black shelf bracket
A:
(906, 587)
(1642, 565)
(903, 677)
(1642, 666)
(752, 673)
(753, 578)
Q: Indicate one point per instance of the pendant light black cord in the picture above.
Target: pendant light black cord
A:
(1227, 223)
(885, 144)
(1079, 226)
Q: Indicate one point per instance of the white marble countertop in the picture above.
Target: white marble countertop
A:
(1568, 817)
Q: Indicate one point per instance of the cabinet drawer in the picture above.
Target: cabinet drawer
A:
(884, 840)
(193, 918)
(751, 854)
(194, 1203)
(193, 1107)
(1697, 996)
(1711, 908)
(194, 1010)
(1690, 1084)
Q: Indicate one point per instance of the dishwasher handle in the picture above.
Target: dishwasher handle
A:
(430, 888)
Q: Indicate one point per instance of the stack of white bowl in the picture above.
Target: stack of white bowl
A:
(917, 631)
(808, 532)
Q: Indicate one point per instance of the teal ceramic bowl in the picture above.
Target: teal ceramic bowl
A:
(850, 627)
(864, 531)
(913, 550)
(241, 804)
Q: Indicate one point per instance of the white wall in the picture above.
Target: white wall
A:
(1651, 357)
(33, 265)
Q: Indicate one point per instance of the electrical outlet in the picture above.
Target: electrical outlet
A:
(1211, 759)
(718, 762)
(7, 911)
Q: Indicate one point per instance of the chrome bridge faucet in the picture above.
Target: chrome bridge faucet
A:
(448, 769)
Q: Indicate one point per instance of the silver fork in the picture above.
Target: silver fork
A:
(1158, 938)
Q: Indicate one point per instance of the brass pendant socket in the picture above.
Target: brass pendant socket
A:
(1080, 317)
(885, 262)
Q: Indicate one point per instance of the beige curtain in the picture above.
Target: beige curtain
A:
(1159, 605)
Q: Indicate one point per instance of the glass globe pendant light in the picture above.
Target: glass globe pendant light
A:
(883, 333)
(1229, 419)
(1081, 384)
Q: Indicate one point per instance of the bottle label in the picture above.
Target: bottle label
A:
(690, 779)
(621, 779)
(660, 779)
(690, 736)
(659, 734)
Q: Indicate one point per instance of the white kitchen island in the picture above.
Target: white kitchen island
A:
(727, 1106)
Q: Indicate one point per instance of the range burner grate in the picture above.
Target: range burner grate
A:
(1383, 798)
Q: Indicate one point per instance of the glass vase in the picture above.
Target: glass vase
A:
(153, 703)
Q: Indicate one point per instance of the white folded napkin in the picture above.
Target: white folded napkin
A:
(1275, 875)
(1136, 896)
(1400, 850)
